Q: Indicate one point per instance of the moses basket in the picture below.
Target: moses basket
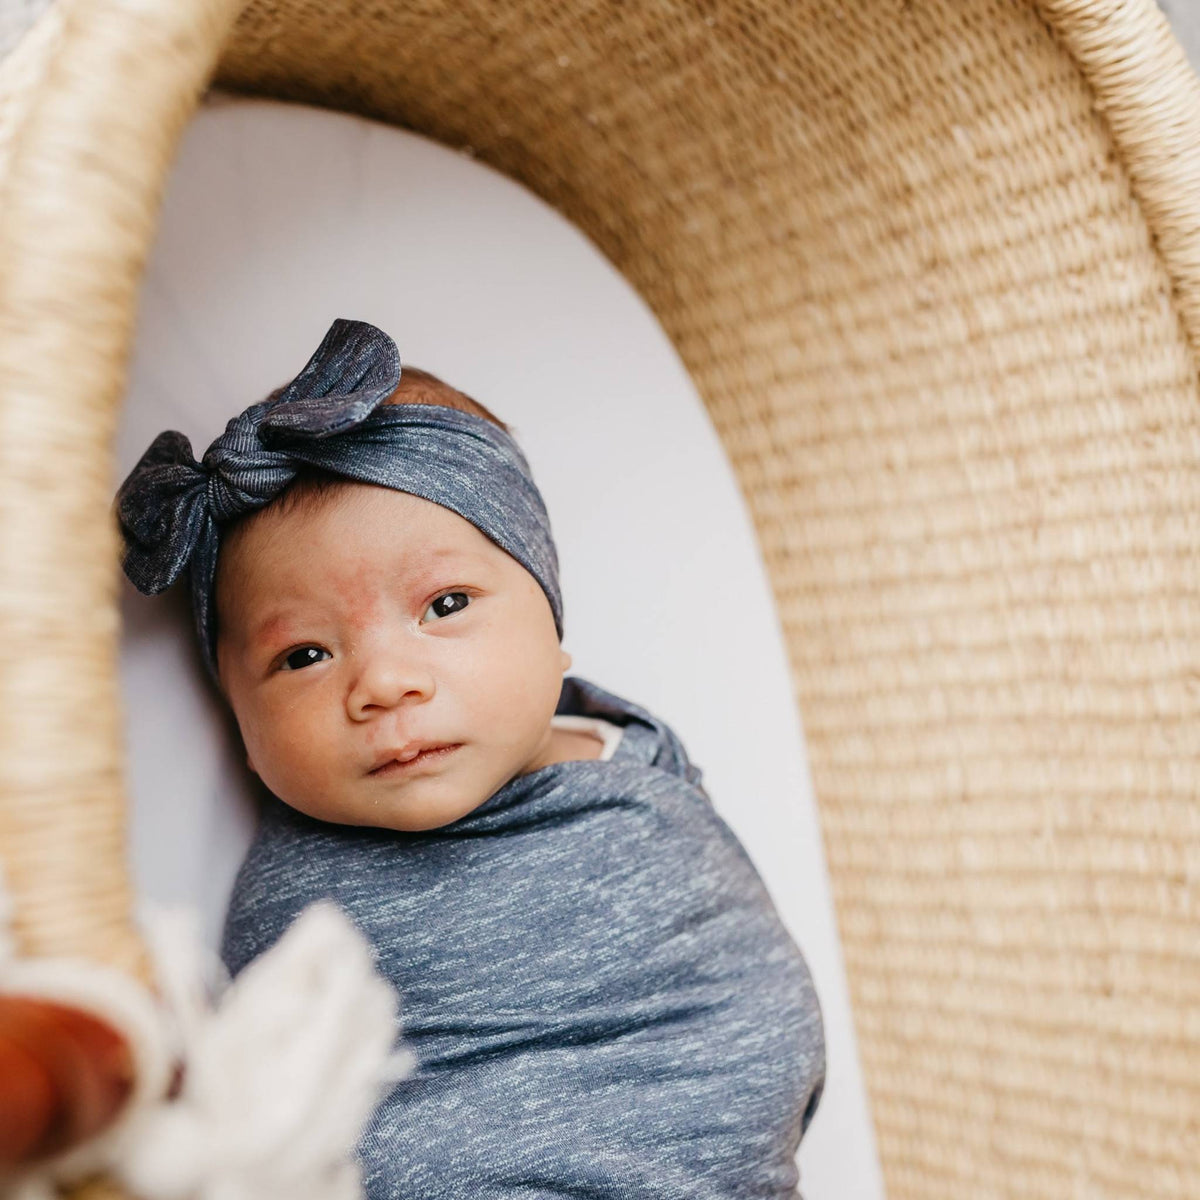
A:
(934, 267)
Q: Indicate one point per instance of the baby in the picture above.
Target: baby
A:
(600, 995)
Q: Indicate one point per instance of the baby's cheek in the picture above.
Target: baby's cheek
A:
(294, 737)
(289, 765)
(272, 738)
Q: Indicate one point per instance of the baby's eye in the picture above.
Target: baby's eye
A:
(303, 657)
(448, 603)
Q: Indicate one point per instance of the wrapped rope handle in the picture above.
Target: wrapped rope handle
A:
(70, 1069)
(258, 1086)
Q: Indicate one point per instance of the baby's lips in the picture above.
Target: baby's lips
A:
(407, 753)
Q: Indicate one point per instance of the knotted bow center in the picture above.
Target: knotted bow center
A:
(243, 474)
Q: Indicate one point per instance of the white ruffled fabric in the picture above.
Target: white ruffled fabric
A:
(282, 1067)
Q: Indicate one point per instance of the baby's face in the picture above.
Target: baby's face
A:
(358, 630)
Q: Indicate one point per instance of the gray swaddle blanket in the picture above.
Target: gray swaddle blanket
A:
(601, 997)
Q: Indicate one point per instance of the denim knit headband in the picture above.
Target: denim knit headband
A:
(170, 508)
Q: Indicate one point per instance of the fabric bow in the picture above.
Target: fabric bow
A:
(170, 505)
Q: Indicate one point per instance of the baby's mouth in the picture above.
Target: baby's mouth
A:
(430, 756)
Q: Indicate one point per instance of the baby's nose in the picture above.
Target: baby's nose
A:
(389, 675)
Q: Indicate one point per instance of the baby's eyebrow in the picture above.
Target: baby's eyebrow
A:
(271, 628)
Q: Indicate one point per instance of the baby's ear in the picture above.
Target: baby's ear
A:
(566, 662)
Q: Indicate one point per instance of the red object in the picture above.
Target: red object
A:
(64, 1076)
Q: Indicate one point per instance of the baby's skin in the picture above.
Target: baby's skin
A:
(368, 624)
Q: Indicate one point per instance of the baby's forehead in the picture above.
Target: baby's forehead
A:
(349, 528)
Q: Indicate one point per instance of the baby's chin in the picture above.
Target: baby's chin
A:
(402, 814)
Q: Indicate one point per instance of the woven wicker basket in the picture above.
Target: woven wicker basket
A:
(934, 266)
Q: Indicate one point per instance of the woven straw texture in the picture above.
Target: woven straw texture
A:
(934, 266)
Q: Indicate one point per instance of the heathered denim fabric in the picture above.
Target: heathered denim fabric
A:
(601, 997)
(170, 508)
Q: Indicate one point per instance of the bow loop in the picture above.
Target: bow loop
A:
(169, 502)
(162, 509)
(354, 369)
